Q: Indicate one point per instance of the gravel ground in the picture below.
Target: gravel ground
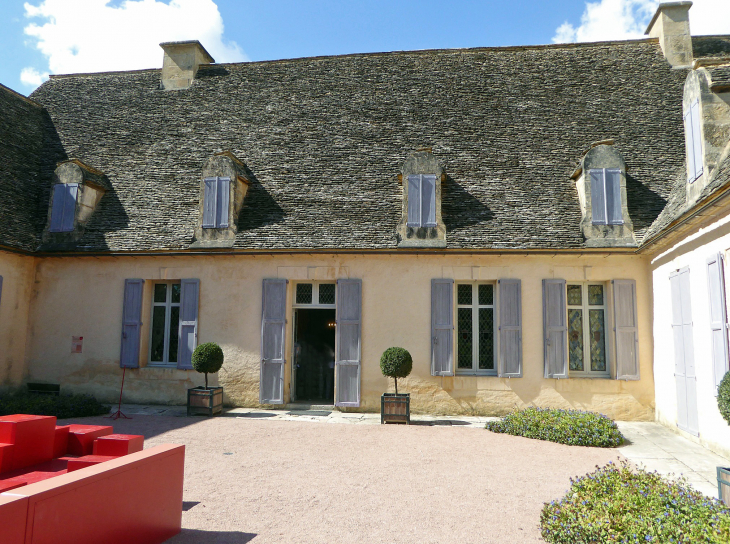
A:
(262, 481)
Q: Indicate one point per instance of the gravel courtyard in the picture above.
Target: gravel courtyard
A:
(263, 481)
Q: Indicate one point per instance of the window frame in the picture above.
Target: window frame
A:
(421, 222)
(217, 206)
(168, 305)
(606, 211)
(475, 307)
(315, 295)
(586, 307)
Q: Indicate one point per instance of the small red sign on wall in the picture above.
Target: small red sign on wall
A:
(77, 344)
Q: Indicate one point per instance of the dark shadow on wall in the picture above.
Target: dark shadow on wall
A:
(644, 204)
(259, 207)
(196, 536)
(459, 208)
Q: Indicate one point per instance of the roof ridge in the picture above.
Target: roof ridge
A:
(22, 96)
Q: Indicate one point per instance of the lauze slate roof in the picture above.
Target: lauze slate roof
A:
(325, 138)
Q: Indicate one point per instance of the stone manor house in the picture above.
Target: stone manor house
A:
(541, 225)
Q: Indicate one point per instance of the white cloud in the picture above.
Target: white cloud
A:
(32, 77)
(628, 19)
(92, 36)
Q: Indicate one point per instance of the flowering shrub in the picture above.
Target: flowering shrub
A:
(572, 427)
(63, 406)
(616, 505)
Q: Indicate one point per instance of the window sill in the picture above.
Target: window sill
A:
(478, 373)
(162, 365)
(590, 375)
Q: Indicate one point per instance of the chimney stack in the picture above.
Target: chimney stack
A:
(671, 25)
(181, 63)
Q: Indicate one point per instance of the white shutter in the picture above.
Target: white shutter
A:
(718, 317)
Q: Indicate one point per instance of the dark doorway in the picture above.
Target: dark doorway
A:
(314, 355)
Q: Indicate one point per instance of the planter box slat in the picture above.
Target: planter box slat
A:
(723, 484)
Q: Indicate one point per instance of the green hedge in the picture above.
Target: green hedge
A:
(616, 504)
(572, 427)
(63, 406)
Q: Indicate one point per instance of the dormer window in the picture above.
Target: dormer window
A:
(693, 141)
(216, 202)
(421, 200)
(606, 196)
(63, 207)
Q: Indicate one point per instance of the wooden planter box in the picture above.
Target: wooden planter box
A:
(395, 408)
(723, 484)
(205, 401)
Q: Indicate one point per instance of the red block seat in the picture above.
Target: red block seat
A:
(118, 444)
(87, 461)
(6, 457)
(81, 438)
(60, 441)
(31, 436)
(12, 483)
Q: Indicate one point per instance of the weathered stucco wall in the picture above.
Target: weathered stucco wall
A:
(17, 272)
(83, 297)
(693, 251)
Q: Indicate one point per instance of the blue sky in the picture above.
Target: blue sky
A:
(66, 36)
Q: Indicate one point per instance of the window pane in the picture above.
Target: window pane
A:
(464, 294)
(176, 292)
(486, 294)
(575, 295)
(595, 295)
(575, 339)
(160, 292)
(327, 293)
(598, 340)
(158, 333)
(304, 293)
(486, 338)
(174, 321)
(465, 337)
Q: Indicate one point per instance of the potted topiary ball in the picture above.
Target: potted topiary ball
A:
(396, 408)
(207, 358)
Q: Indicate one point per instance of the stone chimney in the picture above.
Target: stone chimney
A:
(181, 63)
(671, 25)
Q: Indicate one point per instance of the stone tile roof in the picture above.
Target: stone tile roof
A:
(25, 168)
(720, 77)
(710, 46)
(325, 139)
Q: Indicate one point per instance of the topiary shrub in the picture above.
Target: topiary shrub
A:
(396, 363)
(62, 406)
(616, 504)
(206, 358)
(723, 397)
(572, 427)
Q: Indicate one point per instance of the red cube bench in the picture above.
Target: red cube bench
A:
(87, 461)
(118, 444)
(81, 438)
(60, 441)
(31, 436)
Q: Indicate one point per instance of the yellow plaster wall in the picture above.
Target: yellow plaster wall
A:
(83, 297)
(695, 247)
(17, 272)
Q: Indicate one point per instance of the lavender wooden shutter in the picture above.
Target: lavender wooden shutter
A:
(348, 335)
(510, 328)
(598, 196)
(442, 327)
(625, 329)
(57, 205)
(428, 200)
(223, 202)
(718, 317)
(131, 323)
(697, 138)
(555, 328)
(613, 196)
(188, 327)
(689, 145)
(69, 207)
(209, 202)
(414, 201)
(273, 323)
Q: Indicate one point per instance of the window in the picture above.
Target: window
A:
(693, 141)
(165, 323)
(216, 203)
(421, 200)
(606, 196)
(63, 207)
(475, 351)
(315, 294)
(587, 329)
